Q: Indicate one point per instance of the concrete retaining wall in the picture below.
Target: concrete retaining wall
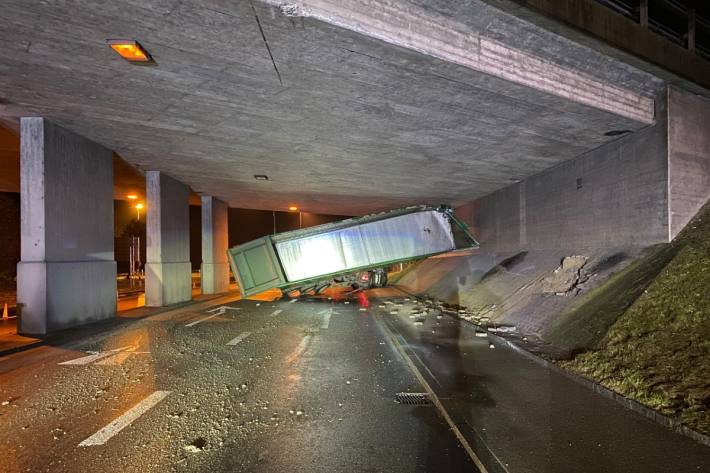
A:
(615, 195)
(688, 156)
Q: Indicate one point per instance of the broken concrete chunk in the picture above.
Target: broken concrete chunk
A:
(565, 278)
(503, 329)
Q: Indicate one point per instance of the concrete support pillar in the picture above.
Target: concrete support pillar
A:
(168, 278)
(215, 267)
(67, 274)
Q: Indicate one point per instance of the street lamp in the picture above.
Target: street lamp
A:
(138, 210)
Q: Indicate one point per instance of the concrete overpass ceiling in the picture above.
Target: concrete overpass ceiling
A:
(341, 122)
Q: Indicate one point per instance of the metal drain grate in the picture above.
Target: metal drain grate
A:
(413, 399)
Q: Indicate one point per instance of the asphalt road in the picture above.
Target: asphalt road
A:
(273, 387)
(310, 386)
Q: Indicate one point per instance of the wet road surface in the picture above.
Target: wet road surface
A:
(309, 386)
(520, 416)
(304, 386)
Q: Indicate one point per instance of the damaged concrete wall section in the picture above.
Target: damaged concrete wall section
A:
(636, 191)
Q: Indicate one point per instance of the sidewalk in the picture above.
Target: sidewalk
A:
(129, 308)
(10, 341)
(520, 416)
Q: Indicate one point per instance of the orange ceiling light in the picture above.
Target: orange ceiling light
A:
(293, 208)
(130, 50)
(131, 197)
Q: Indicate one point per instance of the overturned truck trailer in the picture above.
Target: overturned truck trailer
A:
(315, 257)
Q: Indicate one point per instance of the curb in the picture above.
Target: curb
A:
(64, 336)
(17, 349)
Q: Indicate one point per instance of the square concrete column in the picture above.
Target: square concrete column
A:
(168, 273)
(67, 274)
(215, 267)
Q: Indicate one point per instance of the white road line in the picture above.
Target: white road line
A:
(326, 320)
(192, 324)
(223, 309)
(85, 360)
(238, 338)
(276, 312)
(119, 358)
(103, 435)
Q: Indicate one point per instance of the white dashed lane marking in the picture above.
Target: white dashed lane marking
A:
(192, 324)
(238, 338)
(85, 360)
(326, 319)
(103, 435)
(276, 312)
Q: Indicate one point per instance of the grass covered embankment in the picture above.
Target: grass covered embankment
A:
(657, 351)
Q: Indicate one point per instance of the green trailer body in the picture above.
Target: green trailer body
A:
(287, 260)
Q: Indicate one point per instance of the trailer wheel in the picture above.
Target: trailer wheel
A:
(378, 279)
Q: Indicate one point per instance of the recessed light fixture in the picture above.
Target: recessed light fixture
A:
(131, 50)
(616, 132)
(131, 197)
(293, 208)
(261, 177)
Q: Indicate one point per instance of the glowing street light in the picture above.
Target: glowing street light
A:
(138, 210)
(131, 197)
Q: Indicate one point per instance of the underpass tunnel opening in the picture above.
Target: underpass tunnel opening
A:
(9, 224)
